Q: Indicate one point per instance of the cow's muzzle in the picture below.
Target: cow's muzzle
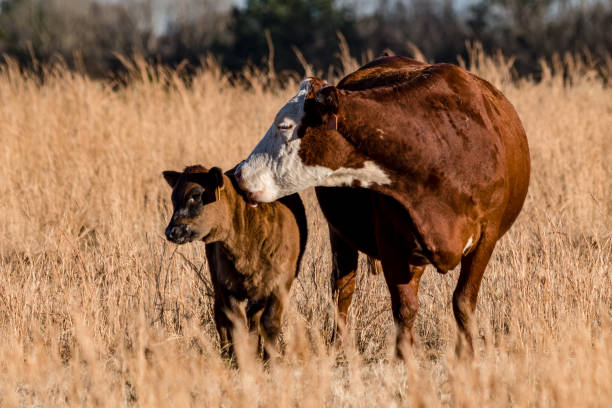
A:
(251, 197)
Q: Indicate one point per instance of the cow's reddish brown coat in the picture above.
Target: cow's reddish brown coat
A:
(458, 160)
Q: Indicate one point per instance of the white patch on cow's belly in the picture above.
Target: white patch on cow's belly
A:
(468, 245)
(369, 174)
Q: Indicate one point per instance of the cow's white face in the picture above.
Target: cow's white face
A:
(274, 169)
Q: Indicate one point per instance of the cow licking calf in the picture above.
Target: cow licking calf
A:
(253, 253)
(413, 164)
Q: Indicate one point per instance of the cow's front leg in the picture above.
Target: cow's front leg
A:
(397, 247)
(344, 258)
(403, 284)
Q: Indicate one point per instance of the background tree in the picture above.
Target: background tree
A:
(309, 25)
(170, 32)
(74, 30)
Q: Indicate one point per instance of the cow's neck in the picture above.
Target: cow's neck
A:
(352, 168)
(366, 174)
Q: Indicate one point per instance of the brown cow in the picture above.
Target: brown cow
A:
(253, 253)
(441, 158)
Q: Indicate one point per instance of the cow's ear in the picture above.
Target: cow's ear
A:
(171, 177)
(217, 176)
(326, 100)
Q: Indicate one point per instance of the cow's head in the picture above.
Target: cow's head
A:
(279, 165)
(199, 209)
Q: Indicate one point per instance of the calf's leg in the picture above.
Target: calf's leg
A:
(254, 311)
(228, 313)
(224, 328)
(270, 322)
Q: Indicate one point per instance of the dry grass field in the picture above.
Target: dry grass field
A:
(97, 309)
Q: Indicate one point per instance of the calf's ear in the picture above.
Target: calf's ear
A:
(217, 174)
(171, 177)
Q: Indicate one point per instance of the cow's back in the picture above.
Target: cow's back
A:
(382, 72)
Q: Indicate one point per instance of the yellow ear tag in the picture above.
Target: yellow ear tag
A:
(218, 192)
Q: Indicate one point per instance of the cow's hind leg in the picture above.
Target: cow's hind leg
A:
(465, 296)
(344, 258)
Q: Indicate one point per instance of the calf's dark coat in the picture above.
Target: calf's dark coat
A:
(253, 253)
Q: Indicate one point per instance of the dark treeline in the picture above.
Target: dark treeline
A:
(92, 33)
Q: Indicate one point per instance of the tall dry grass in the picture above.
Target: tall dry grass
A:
(96, 309)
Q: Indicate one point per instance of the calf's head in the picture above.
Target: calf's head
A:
(297, 151)
(199, 212)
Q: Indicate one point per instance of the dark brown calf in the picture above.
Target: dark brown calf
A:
(253, 253)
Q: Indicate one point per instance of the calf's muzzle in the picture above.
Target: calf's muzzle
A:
(178, 233)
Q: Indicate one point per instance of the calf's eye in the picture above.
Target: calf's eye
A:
(194, 198)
